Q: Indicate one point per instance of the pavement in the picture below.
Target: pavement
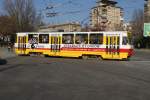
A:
(40, 78)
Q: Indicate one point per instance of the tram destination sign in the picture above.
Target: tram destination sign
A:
(146, 29)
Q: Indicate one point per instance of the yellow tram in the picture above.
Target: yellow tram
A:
(105, 45)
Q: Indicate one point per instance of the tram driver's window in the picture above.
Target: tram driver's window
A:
(81, 39)
(125, 41)
(68, 39)
(44, 38)
(96, 38)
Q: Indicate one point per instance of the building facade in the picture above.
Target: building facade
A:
(147, 11)
(107, 16)
(66, 27)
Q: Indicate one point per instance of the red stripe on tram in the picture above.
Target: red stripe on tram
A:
(130, 51)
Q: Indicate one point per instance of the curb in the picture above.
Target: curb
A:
(144, 50)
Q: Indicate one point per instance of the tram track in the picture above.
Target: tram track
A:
(9, 66)
(122, 76)
(5, 68)
(46, 61)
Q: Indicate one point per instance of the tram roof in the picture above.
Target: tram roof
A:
(100, 32)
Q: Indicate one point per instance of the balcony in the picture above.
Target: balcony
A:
(104, 20)
(103, 25)
(104, 16)
(122, 19)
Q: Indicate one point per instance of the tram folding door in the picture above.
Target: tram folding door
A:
(113, 47)
(22, 44)
(55, 44)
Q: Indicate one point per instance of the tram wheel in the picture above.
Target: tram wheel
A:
(126, 59)
(100, 58)
(84, 57)
(46, 55)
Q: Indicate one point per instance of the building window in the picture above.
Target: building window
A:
(96, 38)
(104, 11)
(81, 39)
(95, 11)
(68, 39)
(44, 38)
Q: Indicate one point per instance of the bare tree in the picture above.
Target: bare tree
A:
(23, 13)
(137, 28)
(7, 25)
(138, 23)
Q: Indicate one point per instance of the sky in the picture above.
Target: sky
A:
(83, 6)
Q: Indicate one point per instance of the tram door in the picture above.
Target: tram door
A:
(55, 44)
(113, 47)
(22, 44)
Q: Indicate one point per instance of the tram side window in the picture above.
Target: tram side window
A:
(81, 39)
(44, 38)
(125, 41)
(96, 38)
(33, 38)
(68, 38)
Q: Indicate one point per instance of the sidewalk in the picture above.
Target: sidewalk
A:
(4, 53)
(143, 50)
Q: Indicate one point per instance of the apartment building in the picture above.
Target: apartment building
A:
(147, 11)
(107, 16)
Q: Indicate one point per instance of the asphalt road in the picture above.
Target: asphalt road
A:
(39, 78)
